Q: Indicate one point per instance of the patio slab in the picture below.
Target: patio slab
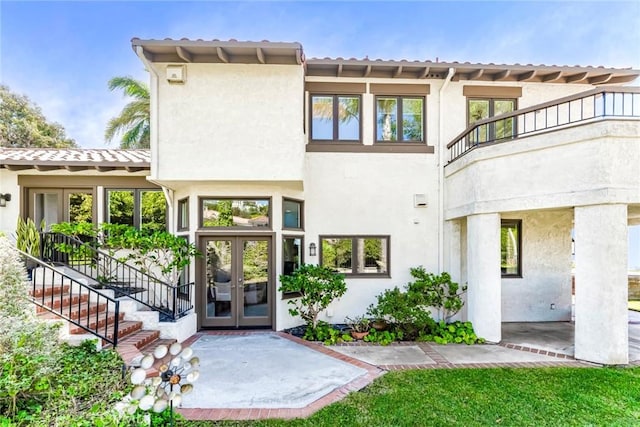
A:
(487, 353)
(264, 370)
(391, 355)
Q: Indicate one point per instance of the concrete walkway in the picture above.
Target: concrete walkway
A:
(266, 374)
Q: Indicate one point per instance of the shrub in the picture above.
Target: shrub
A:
(457, 332)
(318, 286)
(403, 310)
(437, 291)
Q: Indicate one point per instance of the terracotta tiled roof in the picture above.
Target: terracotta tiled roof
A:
(74, 158)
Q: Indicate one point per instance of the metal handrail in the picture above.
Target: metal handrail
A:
(171, 301)
(85, 313)
(571, 110)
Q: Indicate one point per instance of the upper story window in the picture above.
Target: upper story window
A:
(484, 102)
(335, 118)
(238, 213)
(399, 119)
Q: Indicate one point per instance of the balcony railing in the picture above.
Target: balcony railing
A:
(604, 102)
(171, 301)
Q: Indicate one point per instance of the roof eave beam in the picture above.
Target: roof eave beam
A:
(71, 168)
(424, 73)
(576, 78)
(105, 168)
(552, 77)
(475, 74)
(42, 168)
(367, 71)
(397, 72)
(18, 167)
(260, 55)
(184, 54)
(527, 76)
(501, 75)
(598, 80)
(339, 71)
(222, 54)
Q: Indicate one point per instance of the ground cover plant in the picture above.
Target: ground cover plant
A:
(482, 397)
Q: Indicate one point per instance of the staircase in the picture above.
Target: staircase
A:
(88, 313)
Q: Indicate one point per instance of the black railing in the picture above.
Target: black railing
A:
(75, 302)
(622, 102)
(171, 301)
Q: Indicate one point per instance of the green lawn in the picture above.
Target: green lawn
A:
(483, 397)
(634, 305)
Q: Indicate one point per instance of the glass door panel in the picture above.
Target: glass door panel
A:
(79, 206)
(255, 271)
(219, 280)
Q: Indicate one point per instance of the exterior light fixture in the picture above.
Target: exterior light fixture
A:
(312, 249)
(4, 198)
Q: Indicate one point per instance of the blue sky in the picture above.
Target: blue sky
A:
(61, 54)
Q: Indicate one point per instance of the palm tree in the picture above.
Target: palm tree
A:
(133, 122)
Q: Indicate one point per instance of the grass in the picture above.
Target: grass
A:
(482, 397)
(634, 305)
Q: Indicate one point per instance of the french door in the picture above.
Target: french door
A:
(236, 282)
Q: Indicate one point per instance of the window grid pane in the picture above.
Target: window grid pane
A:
(412, 109)
(337, 255)
(348, 118)
(292, 214)
(322, 117)
(387, 118)
(510, 244)
(372, 256)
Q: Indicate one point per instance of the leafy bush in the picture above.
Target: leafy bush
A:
(318, 286)
(409, 311)
(383, 337)
(326, 333)
(456, 332)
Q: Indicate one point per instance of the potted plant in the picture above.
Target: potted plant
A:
(359, 326)
(28, 240)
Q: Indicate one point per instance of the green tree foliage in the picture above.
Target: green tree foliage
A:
(225, 214)
(133, 123)
(318, 286)
(22, 124)
(121, 207)
(153, 211)
(81, 207)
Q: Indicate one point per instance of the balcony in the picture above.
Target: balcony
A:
(575, 151)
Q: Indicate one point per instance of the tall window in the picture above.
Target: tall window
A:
(356, 255)
(483, 108)
(183, 214)
(335, 117)
(511, 248)
(399, 119)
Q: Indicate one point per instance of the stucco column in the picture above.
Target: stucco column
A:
(483, 275)
(601, 333)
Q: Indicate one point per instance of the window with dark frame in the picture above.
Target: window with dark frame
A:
(292, 214)
(356, 255)
(183, 214)
(484, 108)
(511, 247)
(336, 118)
(239, 213)
(142, 208)
(400, 118)
(292, 258)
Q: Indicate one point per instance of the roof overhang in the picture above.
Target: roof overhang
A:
(220, 52)
(74, 160)
(466, 71)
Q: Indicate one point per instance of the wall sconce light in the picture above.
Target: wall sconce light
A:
(312, 249)
(4, 198)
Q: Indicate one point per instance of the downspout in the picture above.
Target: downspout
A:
(153, 123)
(441, 148)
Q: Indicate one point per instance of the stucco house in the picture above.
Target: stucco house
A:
(513, 178)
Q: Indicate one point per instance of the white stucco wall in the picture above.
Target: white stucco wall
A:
(9, 214)
(231, 121)
(372, 194)
(546, 269)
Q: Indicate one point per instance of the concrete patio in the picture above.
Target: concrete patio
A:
(266, 374)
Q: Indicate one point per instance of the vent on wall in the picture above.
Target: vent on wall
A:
(420, 200)
(176, 73)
